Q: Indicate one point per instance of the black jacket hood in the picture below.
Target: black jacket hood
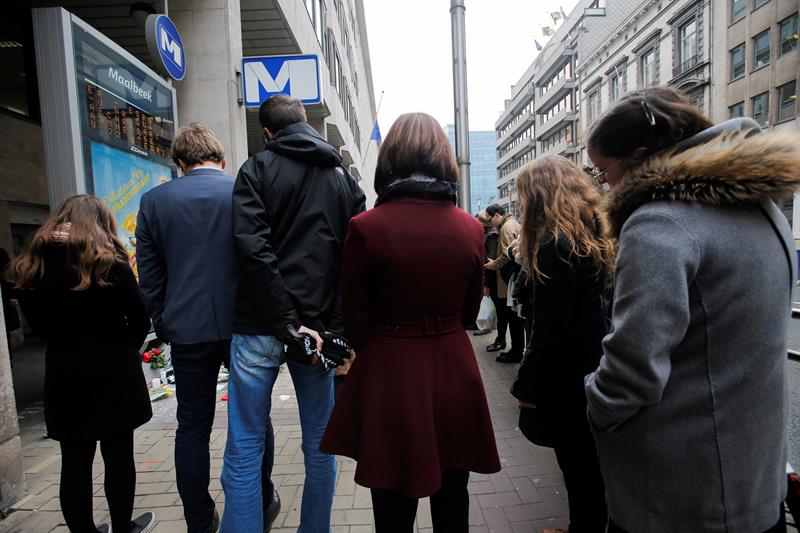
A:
(301, 142)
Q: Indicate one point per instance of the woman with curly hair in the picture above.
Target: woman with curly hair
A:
(568, 259)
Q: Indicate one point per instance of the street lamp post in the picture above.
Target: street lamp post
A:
(460, 99)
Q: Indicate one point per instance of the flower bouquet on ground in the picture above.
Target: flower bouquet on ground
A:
(155, 357)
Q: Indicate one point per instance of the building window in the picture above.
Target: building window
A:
(787, 101)
(737, 110)
(761, 109)
(758, 3)
(761, 50)
(687, 46)
(615, 88)
(697, 97)
(593, 109)
(647, 68)
(738, 9)
(737, 62)
(316, 12)
(788, 34)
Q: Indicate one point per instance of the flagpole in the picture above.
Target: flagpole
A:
(369, 142)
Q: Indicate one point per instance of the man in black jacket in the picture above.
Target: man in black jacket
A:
(291, 207)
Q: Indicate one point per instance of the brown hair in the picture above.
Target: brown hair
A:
(559, 201)
(415, 144)
(88, 228)
(279, 111)
(195, 144)
(656, 118)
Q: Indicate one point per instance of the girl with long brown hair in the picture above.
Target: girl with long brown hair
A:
(80, 297)
(563, 248)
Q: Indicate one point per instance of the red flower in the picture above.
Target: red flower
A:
(146, 357)
(157, 352)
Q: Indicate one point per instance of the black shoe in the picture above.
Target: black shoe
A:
(496, 346)
(104, 528)
(481, 332)
(214, 523)
(143, 523)
(272, 511)
(509, 357)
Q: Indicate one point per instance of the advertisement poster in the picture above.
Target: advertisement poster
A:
(120, 180)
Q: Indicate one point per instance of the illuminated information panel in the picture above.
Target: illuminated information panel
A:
(127, 123)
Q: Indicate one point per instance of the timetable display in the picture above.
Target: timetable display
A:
(110, 115)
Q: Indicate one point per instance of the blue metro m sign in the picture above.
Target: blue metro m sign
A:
(296, 76)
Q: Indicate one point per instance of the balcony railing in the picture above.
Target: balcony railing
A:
(687, 65)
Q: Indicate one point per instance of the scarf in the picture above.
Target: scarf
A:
(419, 186)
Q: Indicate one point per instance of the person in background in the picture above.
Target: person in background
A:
(292, 203)
(503, 266)
(563, 248)
(689, 403)
(413, 410)
(80, 297)
(188, 276)
(490, 238)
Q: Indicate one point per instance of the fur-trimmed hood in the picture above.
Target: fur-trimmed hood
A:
(725, 165)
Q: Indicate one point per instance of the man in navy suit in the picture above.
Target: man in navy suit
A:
(188, 275)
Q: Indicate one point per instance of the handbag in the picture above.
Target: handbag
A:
(487, 315)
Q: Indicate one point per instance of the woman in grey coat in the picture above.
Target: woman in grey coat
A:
(689, 403)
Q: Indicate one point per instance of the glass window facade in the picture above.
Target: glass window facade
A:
(482, 168)
(738, 10)
(737, 110)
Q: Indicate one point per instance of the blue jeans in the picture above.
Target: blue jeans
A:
(255, 361)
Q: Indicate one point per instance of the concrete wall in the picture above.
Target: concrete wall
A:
(212, 35)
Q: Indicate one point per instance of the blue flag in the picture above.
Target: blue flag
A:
(376, 134)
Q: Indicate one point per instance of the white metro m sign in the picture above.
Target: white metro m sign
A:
(297, 76)
(171, 47)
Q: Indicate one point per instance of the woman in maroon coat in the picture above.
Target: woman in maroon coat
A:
(413, 411)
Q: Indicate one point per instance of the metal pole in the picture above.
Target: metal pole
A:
(460, 99)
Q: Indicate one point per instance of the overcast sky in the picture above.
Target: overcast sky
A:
(411, 53)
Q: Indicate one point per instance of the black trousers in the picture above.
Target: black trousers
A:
(507, 318)
(196, 370)
(76, 482)
(577, 459)
(395, 513)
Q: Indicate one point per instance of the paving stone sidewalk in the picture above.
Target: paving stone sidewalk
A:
(526, 496)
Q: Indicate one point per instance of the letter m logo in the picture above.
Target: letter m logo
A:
(297, 76)
(170, 46)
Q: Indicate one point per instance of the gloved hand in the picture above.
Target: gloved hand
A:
(335, 348)
(299, 347)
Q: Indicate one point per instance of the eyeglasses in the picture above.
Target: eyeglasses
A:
(600, 175)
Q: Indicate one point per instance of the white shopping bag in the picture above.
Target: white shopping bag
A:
(487, 316)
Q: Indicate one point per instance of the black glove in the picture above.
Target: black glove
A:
(335, 348)
(299, 347)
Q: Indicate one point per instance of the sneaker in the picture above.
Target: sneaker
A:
(144, 523)
(509, 357)
(104, 528)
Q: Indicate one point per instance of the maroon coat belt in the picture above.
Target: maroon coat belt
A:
(427, 327)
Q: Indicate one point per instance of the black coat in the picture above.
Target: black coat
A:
(490, 238)
(291, 207)
(94, 387)
(565, 344)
